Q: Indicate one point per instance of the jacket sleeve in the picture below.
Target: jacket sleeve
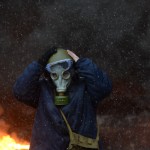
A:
(97, 82)
(26, 87)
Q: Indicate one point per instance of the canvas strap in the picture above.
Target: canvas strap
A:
(77, 140)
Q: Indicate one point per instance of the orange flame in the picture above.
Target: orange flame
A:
(9, 143)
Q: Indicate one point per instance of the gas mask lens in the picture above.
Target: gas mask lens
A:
(54, 75)
(66, 75)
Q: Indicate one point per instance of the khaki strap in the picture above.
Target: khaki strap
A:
(80, 140)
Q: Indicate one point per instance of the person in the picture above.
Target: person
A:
(65, 90)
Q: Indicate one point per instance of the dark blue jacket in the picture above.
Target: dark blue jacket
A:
(49, 130)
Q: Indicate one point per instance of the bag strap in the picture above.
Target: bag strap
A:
(77, 139)
(68, 126)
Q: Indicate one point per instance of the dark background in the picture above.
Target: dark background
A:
(114, 34)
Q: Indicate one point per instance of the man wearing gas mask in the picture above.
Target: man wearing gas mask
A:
(66, 100)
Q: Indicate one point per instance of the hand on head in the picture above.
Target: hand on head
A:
(73, 55)
(45, 57)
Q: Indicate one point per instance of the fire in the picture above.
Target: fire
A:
(9, 143)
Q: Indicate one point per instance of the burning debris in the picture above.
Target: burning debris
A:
(10, 142)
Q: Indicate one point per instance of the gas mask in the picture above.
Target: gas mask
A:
(59, 66)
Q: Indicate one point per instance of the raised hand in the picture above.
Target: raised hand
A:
(73, 55)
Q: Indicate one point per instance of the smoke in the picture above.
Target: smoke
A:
(115, 34)
(115, 31)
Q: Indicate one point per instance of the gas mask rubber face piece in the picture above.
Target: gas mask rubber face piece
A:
(60, 76)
